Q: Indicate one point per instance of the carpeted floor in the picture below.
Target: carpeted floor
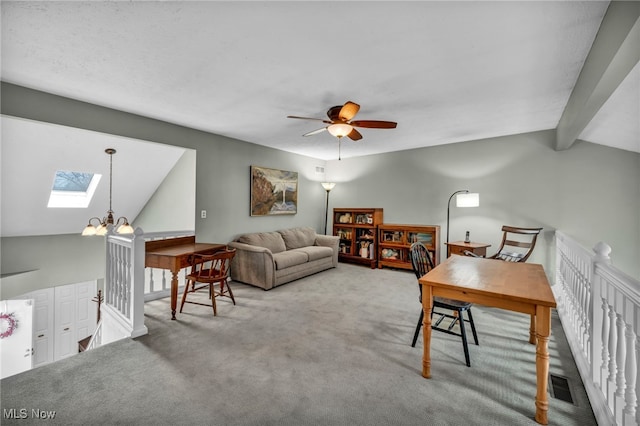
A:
(330, 349)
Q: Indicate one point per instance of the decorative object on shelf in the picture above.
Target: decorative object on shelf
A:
(328, 186)
(273, 191)
(340, 124)
(122, 224)
(464, 199)
(12, 324)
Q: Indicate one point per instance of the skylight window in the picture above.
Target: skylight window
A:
(73, 189)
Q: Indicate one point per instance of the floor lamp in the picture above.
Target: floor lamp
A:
(464, 199)
(328, 186)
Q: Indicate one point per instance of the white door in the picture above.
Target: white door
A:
(42, 326)
(75, 316)
(66, 344)
(16, 318)
(86, 310)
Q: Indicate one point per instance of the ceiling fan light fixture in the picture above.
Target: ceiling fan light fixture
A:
(340, 130)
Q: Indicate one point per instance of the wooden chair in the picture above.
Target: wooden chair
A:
(422, 263)
(514, 247)
(210, 270)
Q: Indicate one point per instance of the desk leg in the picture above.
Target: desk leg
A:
(543, 331)
(174, 293)
(427, 306)
(532, 330)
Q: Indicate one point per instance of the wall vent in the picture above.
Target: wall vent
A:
(319, 170)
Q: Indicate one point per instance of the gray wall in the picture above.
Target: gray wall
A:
(222, 188)
(589, 191)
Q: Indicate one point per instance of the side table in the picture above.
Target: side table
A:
(459, 247)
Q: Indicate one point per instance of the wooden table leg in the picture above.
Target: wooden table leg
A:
(532, 330)
(174, 293)
(427, 306)
(543, 331)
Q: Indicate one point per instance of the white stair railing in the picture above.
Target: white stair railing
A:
(96, 337)
(123, 308)
(599, 307)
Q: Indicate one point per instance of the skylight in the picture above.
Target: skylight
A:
(72, 189)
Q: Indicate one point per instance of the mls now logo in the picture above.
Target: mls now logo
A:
(23, 413)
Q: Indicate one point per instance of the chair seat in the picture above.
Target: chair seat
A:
(451, 303)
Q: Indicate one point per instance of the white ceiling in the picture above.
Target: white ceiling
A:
(445, 71)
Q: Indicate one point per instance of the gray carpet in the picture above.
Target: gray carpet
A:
(330, 349)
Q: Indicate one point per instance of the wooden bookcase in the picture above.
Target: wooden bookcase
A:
(358, 232)
(395, 241)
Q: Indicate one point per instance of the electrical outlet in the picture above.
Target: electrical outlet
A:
(203, 214)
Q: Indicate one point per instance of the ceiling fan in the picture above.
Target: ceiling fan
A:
(340, 124)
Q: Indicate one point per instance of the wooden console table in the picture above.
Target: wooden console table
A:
(174, 254)
(519, 287)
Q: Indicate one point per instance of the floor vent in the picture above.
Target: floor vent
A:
(560, 388)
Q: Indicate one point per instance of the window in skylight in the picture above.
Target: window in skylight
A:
(73, 189)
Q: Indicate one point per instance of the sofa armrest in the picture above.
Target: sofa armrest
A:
(253, 265)
(330, 241)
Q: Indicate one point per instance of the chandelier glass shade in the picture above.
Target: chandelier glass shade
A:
(97, 226)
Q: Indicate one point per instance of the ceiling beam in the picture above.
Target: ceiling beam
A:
(615, 51)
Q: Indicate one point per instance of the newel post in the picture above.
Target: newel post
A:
(602, 251)
(600, 327)
(137, 283)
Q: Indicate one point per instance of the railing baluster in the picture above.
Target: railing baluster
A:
(600, 311)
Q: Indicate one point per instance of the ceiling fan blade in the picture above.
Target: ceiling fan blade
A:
(374, 124)
(315, 132)
(354, 135)
(348, 111)
(309, 118)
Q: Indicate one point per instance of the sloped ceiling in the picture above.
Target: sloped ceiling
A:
(32, 152)
(445, 71)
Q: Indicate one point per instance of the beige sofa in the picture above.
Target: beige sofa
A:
(269, 259)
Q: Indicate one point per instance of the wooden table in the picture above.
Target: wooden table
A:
(459, 247)
(174, 254)
(520, 287)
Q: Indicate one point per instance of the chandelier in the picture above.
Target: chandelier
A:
(122, 224)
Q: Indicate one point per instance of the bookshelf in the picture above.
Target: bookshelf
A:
(395, 241)
(358, 232)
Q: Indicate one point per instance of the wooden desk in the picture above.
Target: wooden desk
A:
(174, 254)
(520, 287)
(459, 247)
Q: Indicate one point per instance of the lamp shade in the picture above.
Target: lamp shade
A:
(471, 199)
(340, 129)
(328, 185)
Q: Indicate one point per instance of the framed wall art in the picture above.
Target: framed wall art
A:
(273, 191)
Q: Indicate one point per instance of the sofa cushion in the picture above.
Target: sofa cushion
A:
(298, 237)
(286, 259)
(270, 240)
(316, 252)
